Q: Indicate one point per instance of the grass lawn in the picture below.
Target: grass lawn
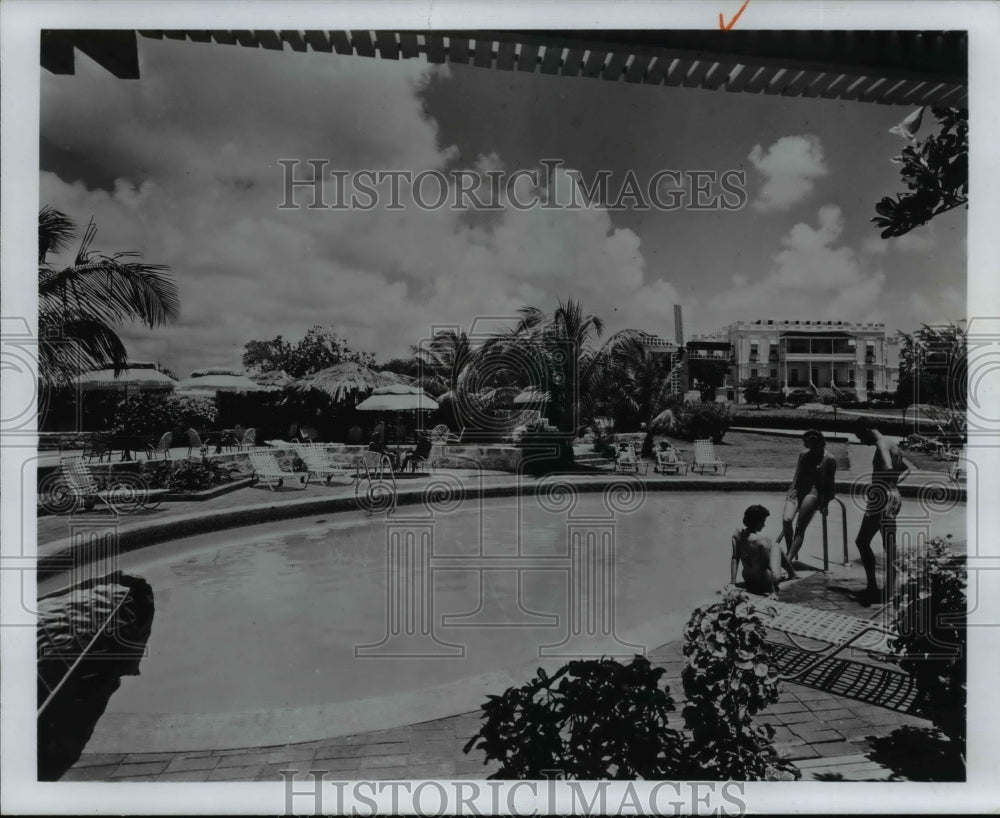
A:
(762, 451)
(922, 460)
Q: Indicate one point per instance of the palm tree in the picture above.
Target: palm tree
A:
(80, 306)
(575, 367)
(643, 385)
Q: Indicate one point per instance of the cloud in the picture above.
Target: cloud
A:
(812, 277)
(788, 169)
(189, 161)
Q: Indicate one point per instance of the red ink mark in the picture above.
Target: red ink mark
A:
(722, 22)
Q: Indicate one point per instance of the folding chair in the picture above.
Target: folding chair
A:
(162, 447)
(123, 497)
(840, 631)
(705, 457)
(267, 470)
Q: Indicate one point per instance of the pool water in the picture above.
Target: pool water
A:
(347, 607)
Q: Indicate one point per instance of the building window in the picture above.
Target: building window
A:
(850, 376)
(753, 372)
(869, 351)
(753, 351)
(793, 377)
(774, 373)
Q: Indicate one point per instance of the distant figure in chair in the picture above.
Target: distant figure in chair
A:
(378, 438)
(418, 454)
(668, 459)
(760, 558)
(812, 488)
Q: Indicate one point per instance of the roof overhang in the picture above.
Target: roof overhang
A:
(888, 67)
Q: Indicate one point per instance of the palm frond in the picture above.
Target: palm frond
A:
(55, 230)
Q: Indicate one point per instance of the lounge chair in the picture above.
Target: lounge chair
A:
(668, 461)
(705, 457)
(267, 470)
(248, 441)
(162, 447)
(320, 462)
(839, 631)
(122, 497)
(628, 459)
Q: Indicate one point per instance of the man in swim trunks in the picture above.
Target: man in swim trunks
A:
(812, 488)
(884, 502)
(761, 559)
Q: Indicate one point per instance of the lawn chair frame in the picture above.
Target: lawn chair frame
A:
(705, 456)
(268, 471)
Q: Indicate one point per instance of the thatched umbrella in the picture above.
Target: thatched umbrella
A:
(139, 377)
(273, 379)
(345, 381)
(218, 380)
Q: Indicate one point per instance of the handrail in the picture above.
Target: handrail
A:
(826, 544)
(379, 477)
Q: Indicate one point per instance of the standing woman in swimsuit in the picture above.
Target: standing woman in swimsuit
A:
(812, 488)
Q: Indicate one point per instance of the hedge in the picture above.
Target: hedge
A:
(823, 423)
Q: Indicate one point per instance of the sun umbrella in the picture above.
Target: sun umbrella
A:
(398, 398)
(218, 380)
(346, 380)
(273, 379)
(139, 377)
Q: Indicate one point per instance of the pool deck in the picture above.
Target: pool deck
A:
(831, 727)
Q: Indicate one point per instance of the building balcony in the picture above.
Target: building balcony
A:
(846, 357)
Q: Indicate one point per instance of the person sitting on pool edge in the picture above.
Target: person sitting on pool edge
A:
(812, 488)
(760, 558)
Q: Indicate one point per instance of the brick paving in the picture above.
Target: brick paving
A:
(827, 733)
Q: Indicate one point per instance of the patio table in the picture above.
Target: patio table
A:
(129, 445)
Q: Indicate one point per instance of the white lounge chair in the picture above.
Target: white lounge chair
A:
(123, 495)
(319, 461)
(705, 457)
(267, 470)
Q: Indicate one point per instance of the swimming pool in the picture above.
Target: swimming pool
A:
(317, 615)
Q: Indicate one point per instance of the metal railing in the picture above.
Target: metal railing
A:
(826, 542)
(375, 488)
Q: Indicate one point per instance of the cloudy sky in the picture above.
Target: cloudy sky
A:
(183, 165)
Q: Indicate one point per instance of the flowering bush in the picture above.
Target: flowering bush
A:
(730, 676)
(602, 720)
(931, 642)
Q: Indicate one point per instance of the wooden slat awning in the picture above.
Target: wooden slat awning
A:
(886, 67)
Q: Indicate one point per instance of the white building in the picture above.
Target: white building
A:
(823, 356)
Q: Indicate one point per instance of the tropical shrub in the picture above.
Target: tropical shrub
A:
(153, 413)
(698, 421)
(188, 475)
(931, 642)
(730, 676)
(589, 720)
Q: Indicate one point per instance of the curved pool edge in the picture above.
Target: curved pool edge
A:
(195, 732)
(57, 557)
